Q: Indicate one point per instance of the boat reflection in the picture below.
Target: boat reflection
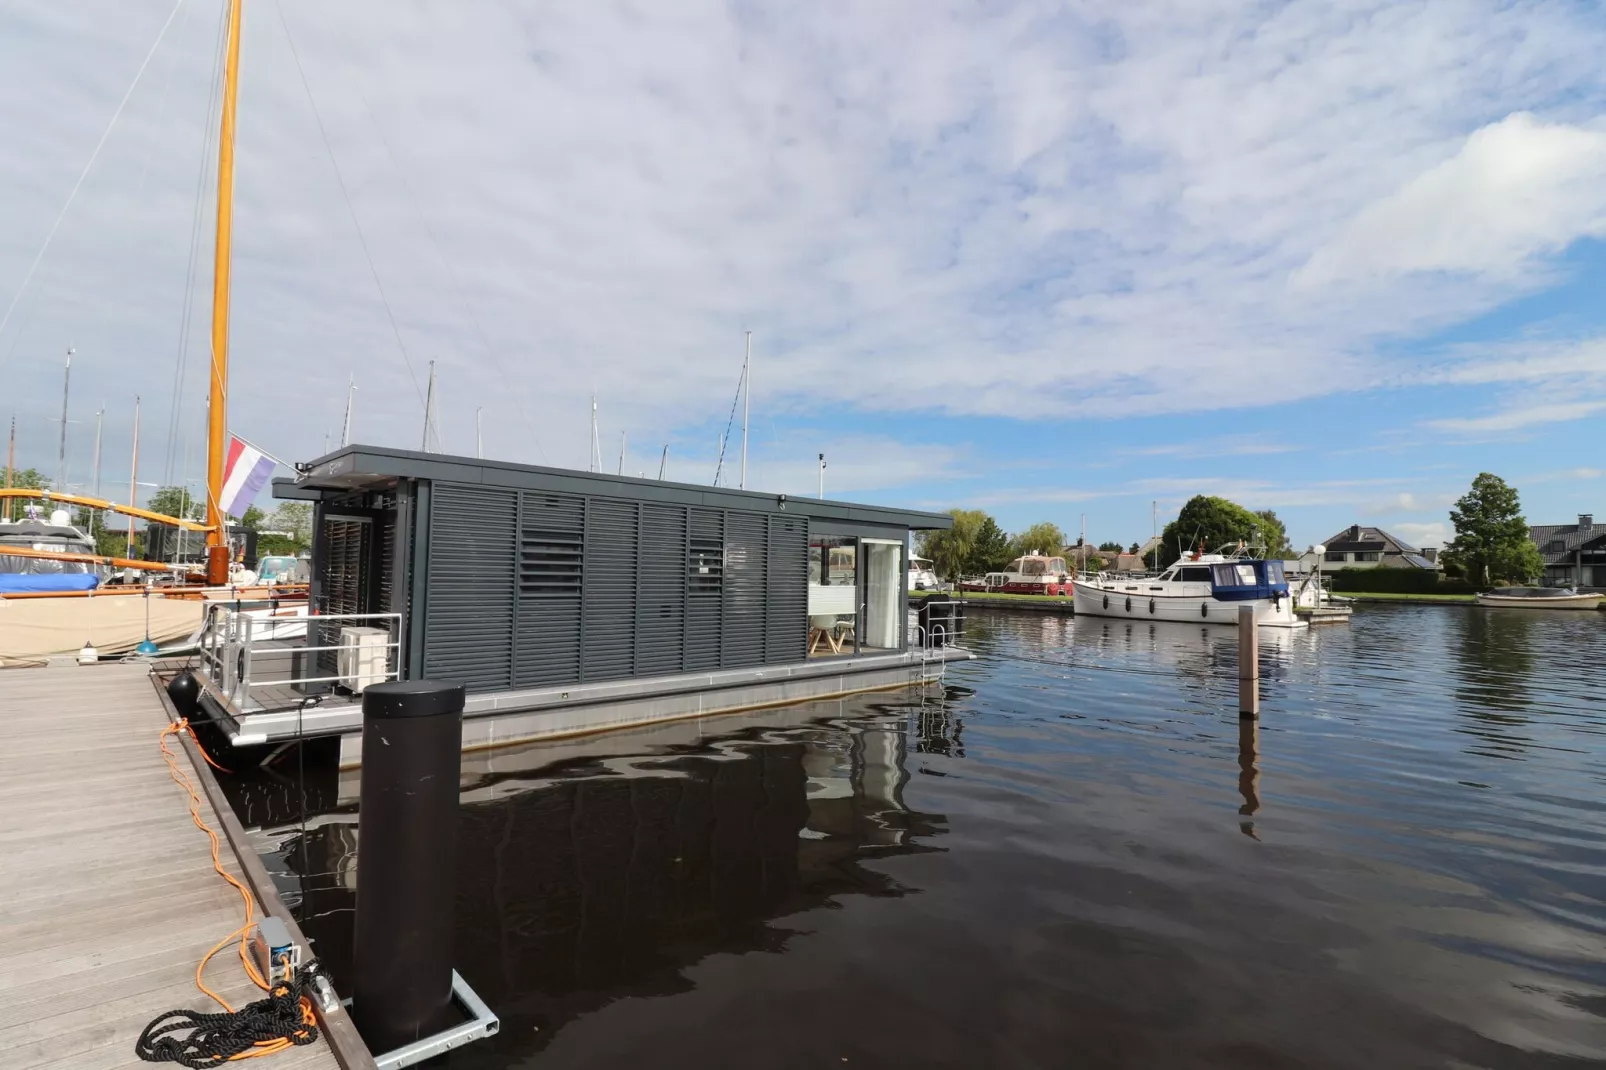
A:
(598, 878)
(1494, 688)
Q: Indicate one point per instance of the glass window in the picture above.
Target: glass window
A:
(1033, 566)
(1225, 576)
(1274, 572)
(1335, 556)
(1367, 555)
(1194, 574)
(1246, 575)
(833, 603)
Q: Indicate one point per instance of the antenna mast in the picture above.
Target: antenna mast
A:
(92, 512)
(11, 460)
(621, 453)
(479, 435)
(663, 462)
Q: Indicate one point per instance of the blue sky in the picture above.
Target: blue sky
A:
(1331, 259)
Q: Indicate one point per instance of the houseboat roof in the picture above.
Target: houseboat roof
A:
(359, 467)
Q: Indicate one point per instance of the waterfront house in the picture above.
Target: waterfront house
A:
(1360, 546)
(1574, 554)
(570, 601)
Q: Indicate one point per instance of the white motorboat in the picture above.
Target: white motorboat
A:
(1539, 598)
(922, 575)
(1205, 588)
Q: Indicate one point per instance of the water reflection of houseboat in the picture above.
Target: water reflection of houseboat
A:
(603, 876)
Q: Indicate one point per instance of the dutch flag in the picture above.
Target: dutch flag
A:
(244, 474)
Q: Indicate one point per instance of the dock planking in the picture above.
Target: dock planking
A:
(108, 899)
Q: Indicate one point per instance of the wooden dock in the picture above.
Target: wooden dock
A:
(108, 899)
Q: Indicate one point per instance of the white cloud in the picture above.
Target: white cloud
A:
(1517, 189)
(1521, 416)
(1430, 533)
(1007, 211)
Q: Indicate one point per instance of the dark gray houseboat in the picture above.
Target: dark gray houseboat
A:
(570, 601)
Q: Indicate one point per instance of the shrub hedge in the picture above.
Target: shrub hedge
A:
(1397, 581)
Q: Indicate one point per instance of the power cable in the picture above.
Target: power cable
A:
(730, 422)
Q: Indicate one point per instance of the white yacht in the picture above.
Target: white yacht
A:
(1205, 588)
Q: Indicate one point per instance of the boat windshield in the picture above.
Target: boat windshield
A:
(43, 566)
(1038, 566)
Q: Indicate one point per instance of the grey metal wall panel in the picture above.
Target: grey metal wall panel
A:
(786, 606)
(609, 600)
(661, 591)
(468, 617)
(551, 569)
(531, 588)
(746, 567)
(705, 589)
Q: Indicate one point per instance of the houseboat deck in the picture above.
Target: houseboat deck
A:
(109, 892)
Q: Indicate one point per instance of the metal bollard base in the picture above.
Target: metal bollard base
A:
(482, 1022)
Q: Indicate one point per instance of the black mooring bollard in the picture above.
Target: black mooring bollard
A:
(412, 739)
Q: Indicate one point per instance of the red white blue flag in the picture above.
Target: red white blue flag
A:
(244, 475)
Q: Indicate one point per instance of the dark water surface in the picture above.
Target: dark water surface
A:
(1072, 855)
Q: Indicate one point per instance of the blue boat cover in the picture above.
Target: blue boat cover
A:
(27, 583)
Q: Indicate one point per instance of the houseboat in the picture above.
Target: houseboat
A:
(1202, 587)
(567, 601)
(1029, 574)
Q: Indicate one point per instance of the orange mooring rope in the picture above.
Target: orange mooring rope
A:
(243, 933)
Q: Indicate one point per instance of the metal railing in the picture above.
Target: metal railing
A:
(243, 653)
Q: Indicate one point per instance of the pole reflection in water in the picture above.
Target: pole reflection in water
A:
(1249, 771)
(595, 879)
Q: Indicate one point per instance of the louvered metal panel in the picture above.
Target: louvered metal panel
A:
(608, 606)
(705, 587)
(469, 609)
(551, 568)
(344, 583)
(661, 590)
(746, 545)
(786, 604)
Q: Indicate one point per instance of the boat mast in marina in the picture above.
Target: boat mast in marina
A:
(345, 427)
(217, 547)
(429, 408)
(61, 456)
(133, 480)
(747, 397)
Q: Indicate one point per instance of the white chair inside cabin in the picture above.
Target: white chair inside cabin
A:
(824, 626)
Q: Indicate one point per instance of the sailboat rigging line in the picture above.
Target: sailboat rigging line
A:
(187, 315)
(731, 420)
(93, 156)
(451, 270)
(350, 208)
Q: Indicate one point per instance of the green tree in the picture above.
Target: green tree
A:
(295, 520)
(1044, 537)
(1110, 547)
(1492, 544)
(1273, 536)
(990, 551)
(1215, 522)
(948, 551)
(1135, 547)
(174, 501)
(24, 479)
(252, 520)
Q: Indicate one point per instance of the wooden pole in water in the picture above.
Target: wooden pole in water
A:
(1248, 663)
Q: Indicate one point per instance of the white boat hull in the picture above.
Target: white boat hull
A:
(1567, 601)
(1135, 601)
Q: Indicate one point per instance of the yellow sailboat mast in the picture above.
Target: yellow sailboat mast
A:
(217, 554)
